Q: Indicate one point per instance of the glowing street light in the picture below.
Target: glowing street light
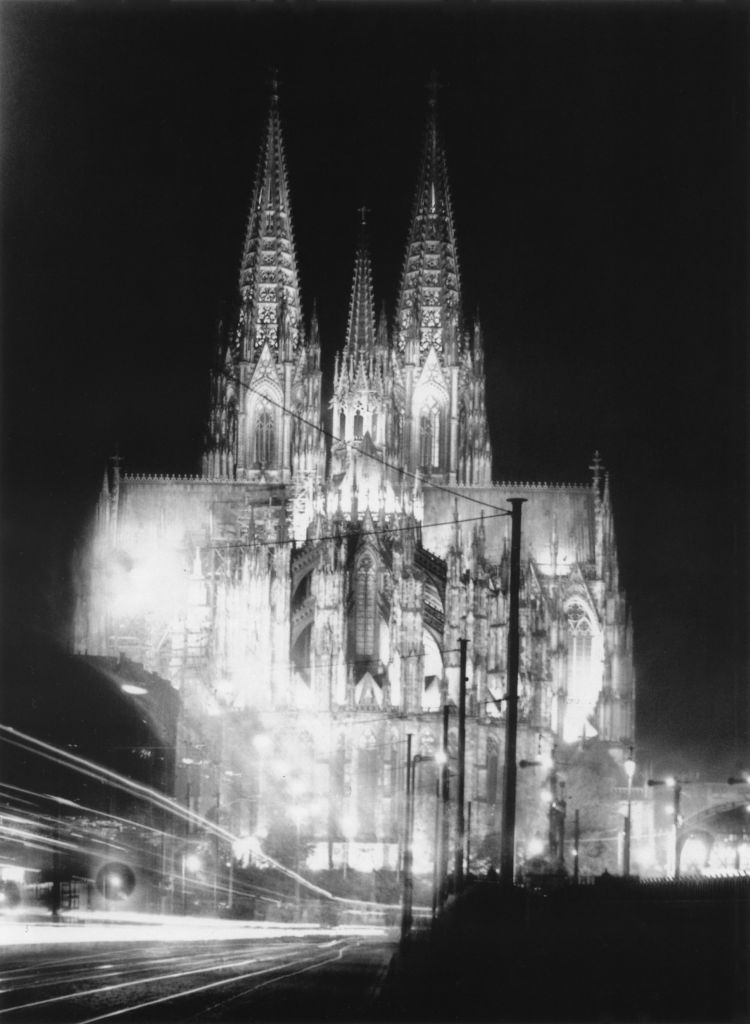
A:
(440, 758)
(349, 828)
(676, 784)
(297, 814)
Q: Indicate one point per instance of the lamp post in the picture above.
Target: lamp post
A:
(440, 758)
(676, 785)
(296, 815)
(349, 828)
(629, 766)
(508, 834)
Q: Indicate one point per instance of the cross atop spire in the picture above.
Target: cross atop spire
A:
(363, 211)
(268, 274)
(433, 87)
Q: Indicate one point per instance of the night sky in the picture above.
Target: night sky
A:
(598, 166)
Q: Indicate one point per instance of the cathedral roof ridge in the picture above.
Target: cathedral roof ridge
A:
(165, 478)
(537, 485)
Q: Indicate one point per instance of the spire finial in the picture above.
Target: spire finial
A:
(274, 84)
(596, 468)
(363, 211)
(433, 87)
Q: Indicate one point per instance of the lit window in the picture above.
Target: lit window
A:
(264, 438)
(365, 602)
(491, 792)
(429, 437)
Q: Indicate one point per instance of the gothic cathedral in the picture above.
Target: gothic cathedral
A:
(306, 593)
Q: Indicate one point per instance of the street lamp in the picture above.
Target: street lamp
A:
(629, 766)
(297, 814)
(676, 785)
(349, 828)
(439, 758)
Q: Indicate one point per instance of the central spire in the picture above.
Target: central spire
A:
(269, 283)
(360, 333)
(429, 301)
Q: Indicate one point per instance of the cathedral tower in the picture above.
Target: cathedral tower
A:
(445, 433)
(265, 395)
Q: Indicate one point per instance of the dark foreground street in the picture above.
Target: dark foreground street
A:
(611, 952)
(286, 977)
(604, 953)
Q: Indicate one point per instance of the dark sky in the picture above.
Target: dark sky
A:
(598, 162)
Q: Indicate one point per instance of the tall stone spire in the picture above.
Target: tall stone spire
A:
(269, 282)
(430, 295)
(360, 333)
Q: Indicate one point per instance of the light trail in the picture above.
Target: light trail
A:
(89, 768)
(210, 965)
(134, 1007)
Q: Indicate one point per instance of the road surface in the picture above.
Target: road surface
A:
(221, 975)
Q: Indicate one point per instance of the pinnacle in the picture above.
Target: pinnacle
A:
(430, 285)
(360, 334)
(268, 274)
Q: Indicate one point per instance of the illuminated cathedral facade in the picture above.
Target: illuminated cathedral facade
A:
(306, 593)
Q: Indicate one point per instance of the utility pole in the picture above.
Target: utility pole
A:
(576, 845)
(460, 784)
(508, 839)
(468, 837)
(677, 823)
(406, 899)
(445, 808)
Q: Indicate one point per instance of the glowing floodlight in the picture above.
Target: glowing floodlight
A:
(297, 814)
(133, 690)
(441, 757)
(296, 787)
(192, 862)
(535, 847)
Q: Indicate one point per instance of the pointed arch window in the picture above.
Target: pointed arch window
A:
(580, 641)
(492, 773)
(365, 598)
(429, 437)
(358, 426)
(265, 438)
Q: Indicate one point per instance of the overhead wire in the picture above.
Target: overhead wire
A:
(401, 470)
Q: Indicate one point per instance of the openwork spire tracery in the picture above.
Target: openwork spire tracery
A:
(269, 282)
(430, 297)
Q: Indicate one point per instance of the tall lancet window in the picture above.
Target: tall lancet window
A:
(579, 645)
(264, 438)
(429, 437)
(582, 682)
(366, 611)
(359, 426)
